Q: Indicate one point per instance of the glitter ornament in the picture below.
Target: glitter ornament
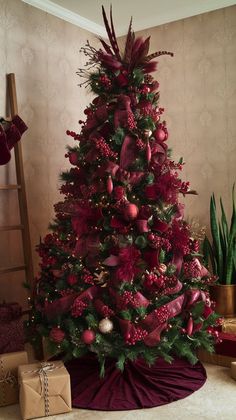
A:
(88, 336)
(105, 326)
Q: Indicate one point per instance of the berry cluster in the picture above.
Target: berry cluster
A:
(184, 187)
(162, 313)
(105, 81)
(192, 269)
(157, 242)
(131, 121)
(73, 134)
(87, 277)
(78, 307)
(127, 298)
(136, 334)
(214, 334)
(106, 311)
(152, 280)
(103, 148)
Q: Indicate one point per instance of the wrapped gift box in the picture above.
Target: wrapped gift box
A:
(9, 363)
(44, 389)
(229, 326)
(227, 346)
(225, 351)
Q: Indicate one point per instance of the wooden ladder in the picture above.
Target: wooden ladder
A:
(27, 265)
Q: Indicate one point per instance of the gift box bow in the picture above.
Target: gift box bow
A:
(8, 378)
(49, 384)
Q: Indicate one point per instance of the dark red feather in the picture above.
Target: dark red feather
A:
(129, 43)
(117, 51)
(105, 46)
(109, 32)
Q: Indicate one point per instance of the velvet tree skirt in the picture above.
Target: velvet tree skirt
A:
(138, 386)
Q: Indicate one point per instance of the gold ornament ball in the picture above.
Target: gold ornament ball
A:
(105, 326)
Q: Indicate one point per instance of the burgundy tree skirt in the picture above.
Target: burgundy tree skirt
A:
(138, 386)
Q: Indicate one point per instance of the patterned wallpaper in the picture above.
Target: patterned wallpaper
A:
(43, 52)
(197, 90)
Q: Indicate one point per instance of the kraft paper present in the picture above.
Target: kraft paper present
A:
(229, 325)
(44, 389)
(9, 362)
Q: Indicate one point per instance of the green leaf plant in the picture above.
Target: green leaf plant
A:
(221, 251)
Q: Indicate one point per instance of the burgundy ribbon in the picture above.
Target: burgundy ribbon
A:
(154, 324)
(63, 305)
(128, 152)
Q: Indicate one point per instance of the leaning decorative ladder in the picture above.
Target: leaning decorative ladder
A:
(27, 265)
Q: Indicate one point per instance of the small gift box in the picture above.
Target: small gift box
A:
(229, 325)
(227, 344)
(9, 363)
(233, 370)
(225, 351)
(44, 389)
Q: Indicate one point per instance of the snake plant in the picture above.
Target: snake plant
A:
(221, 252)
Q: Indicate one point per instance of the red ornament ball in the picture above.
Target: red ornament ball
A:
(160, 134)
(73, 158)
(130, 211)
(57, 335)
(88, 336)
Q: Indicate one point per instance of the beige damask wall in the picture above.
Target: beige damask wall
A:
(43, 52)
(198, 92)
(197, 89)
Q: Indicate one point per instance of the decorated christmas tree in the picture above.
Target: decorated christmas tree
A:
(121, 274)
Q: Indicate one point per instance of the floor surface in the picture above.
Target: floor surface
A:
(216, 400)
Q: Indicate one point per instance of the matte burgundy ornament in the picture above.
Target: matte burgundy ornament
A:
(73, 158)
(57, 335)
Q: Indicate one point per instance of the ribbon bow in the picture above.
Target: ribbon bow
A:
(8, 378)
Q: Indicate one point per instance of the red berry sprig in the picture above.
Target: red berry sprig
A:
(73, 134)
(104, 149)
(136, 334)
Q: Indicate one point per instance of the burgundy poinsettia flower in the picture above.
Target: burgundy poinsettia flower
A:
(179, 238)
(128, 259)
(126, 262)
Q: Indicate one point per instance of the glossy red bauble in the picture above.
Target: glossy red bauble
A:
(88, 336)
(160, 134)
(130, 211)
